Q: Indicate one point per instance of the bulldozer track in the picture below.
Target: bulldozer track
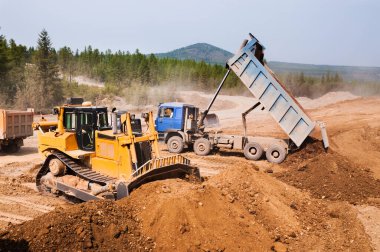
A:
(82, 171)
(78, 169)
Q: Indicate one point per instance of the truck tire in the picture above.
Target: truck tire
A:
(175, 144)
(275, 154)
(12, 147)
(253, 151)
(3, 147)
(202, 147)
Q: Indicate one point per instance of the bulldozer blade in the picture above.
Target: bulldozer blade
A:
(165, 172)
(211, 121)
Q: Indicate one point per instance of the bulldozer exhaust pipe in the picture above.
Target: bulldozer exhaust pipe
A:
(114, 123)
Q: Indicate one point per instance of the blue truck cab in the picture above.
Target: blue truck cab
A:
(176, 123)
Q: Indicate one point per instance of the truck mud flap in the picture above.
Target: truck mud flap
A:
(165, 172)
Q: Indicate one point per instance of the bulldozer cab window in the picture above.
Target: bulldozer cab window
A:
(70, 121)
(103, 121)
(86, 118)
(87, 130)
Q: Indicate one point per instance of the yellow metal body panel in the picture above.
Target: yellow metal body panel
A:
(112, 154)
(49, 140)
(105, 166)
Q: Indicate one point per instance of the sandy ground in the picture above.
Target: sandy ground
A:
(353, 125)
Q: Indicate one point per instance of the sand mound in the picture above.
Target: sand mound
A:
(291, 217)
(329, 175)
(327, 99)
(187, 217)
(94, 225)
(361, 146)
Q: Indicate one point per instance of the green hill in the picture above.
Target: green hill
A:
(199, 52)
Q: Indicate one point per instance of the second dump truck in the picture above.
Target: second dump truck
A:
(181, 125)
(15, 126)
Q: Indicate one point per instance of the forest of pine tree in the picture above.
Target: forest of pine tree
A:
(42, 77)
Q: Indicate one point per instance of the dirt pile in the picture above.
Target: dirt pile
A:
(293, 219)
(185, 217)
(101, 225)
(326, 99)
(329, 175)
(361, 146)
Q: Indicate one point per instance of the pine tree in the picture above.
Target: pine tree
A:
(65, 60)
(323, 79)
(144, 71)
(337, 78)
(153, 67)
(4, 70)
(48, 73)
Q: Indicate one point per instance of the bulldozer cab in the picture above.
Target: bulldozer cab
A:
(84, 121)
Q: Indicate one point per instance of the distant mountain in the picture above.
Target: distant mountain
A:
(198, 52)
(347, 72)
(215, 55)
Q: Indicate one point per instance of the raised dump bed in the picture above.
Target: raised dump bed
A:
(14, 127)
(248, 65)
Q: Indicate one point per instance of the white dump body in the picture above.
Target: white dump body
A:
(265, 87)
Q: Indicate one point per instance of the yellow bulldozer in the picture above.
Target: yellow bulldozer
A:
(88, 158)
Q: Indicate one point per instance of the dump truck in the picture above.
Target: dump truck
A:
(15, 126)
(180, 125)
(87, 159)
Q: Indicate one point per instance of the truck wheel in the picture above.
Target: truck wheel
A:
(4, 147)
(14, 148)
(275, 154)
(253, 151)
(175, 144)
(202, 147)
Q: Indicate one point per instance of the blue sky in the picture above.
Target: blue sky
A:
(333, 32)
